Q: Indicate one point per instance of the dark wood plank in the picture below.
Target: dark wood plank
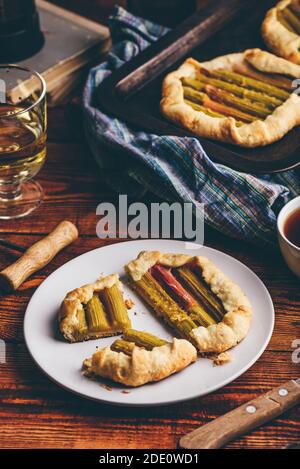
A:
(68, 421)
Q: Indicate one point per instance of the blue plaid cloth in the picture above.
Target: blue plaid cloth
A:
(177, 169)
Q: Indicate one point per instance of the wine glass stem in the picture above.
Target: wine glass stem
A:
(10, 191)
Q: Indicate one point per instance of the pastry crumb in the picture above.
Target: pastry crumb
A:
(125, 392)
(222, 358)
(104, 386)
(129, 303)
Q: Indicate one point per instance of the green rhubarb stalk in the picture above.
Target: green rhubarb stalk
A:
(82, 324)
(261, 98)
(167, 280)
(198, 107)
(270, 78)
(124, 346)
(115, 305)
(281, 18)
(201, 292)
(164, 306)
(247, 82)
(95, 315)
(200, 316)
(295, 7)
(208, 112)
(244, 104)
(291, 19)
(143, 339)
(203, 99)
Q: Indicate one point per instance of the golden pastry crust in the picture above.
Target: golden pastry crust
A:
(236, 322)
(222, 358)
(143, 366)
(258, 133)
(72, 305)
(277, 37)
(147, 259)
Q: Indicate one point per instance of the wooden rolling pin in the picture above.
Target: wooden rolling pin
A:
(38, 255)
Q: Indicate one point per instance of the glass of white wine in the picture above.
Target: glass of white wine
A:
(23, 125)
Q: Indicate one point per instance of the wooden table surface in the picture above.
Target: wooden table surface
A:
(36, 413)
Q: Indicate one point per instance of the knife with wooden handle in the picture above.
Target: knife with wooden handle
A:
(244, 418)
(38, 255)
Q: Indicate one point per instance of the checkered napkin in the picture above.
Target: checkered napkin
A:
(176, 168)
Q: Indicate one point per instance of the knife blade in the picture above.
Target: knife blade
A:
(244, 418)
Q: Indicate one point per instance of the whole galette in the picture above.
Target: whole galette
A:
(281, 30)
(244, 98)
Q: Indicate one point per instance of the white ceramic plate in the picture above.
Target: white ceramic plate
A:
(62, 361)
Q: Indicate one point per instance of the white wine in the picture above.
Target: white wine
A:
(22, 143)
(23, 125)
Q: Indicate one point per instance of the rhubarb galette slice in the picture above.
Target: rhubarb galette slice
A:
(194, 297)
(281, 29)
(139, 358)
(244, 98)
(94, 310)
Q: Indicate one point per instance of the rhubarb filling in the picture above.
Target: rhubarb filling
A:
(181, 297)
(132, 338)
(289, 17)
(243, 93)
(105, 313)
